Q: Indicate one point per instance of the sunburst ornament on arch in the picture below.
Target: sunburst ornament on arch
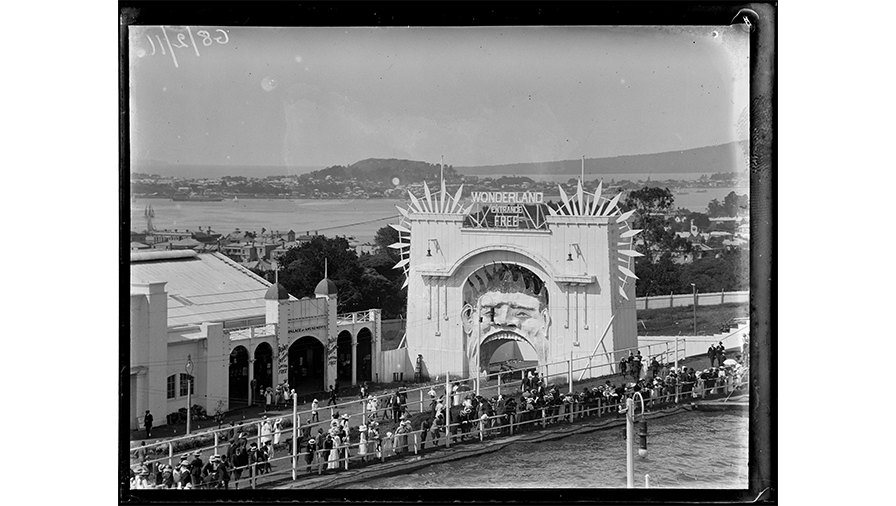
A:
(443, 203)
(584, 203)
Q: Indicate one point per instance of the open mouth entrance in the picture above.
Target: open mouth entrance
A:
(506, 352)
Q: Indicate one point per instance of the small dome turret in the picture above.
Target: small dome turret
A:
(276, 292)
(326, 288)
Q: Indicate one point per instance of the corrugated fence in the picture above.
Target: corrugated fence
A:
(687, 299)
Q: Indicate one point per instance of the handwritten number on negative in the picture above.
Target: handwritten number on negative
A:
(206, 37)
(180, 38)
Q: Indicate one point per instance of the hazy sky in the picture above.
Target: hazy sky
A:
(480, 96)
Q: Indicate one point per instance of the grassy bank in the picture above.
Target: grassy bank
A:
(680, 320)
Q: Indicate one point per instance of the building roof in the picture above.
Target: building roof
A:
(186, 242)
(261, 265)
(205, 287)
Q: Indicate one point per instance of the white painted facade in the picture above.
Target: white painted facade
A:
(576, 256)
(159, 350)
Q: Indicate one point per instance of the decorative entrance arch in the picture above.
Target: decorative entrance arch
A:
(238, 379)
(344, 357)
(365, 355)
(306, 365)
(264, 367)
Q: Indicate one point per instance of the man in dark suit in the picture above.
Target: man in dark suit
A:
(196, 469)
(147, 424)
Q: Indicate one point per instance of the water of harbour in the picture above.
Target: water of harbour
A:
(687, 450)
(360, 218)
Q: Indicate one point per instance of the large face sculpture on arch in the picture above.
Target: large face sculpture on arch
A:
(506, 312)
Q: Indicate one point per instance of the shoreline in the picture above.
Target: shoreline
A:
(229, 197)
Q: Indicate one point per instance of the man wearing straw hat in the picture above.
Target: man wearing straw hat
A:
(222, 473)
(182, 473)
(209, 476)
(196, 469)
(310, 451)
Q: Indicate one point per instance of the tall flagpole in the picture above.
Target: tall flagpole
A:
(442, 169)
(583, 169)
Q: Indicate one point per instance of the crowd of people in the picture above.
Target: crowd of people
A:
(276, 397)
(241, 459)
(470, 416)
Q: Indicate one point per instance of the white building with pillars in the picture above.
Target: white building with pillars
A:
(241, 333)
(503, 279)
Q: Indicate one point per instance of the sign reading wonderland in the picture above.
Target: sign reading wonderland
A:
(507, 210)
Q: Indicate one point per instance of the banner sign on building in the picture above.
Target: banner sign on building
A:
(507, 210)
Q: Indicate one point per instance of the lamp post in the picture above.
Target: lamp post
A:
(189, 369)
(478, 351)
(695, 307)
(630, 438)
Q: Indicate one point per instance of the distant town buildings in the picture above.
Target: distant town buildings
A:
(258, 251)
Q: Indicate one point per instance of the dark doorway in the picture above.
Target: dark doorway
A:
(264, 366)
(306, 365)
(344, 358)
(238, 384)
(365, 355)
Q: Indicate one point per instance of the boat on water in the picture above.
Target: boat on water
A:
(196, 197)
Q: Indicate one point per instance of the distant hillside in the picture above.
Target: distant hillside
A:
(215, 171)
(731, 157)
(381, 169)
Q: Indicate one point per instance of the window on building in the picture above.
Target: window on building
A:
(171, 386)
(184, 381)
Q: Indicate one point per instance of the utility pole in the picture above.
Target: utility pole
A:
(630, 439)
(189, 369)
(695, 308)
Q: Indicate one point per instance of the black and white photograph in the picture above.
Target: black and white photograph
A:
(506, 255)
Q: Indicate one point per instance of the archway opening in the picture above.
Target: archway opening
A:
(264, 367)
(365, 355)
(306, 366)
(238, 384)
(507, 355)
(344, 358)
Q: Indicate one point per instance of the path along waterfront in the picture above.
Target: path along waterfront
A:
(390, 452)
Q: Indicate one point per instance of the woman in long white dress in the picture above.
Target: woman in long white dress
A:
(371, 407)
(278, 423)
(362, 445)
(265, 432)
(334, 453)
